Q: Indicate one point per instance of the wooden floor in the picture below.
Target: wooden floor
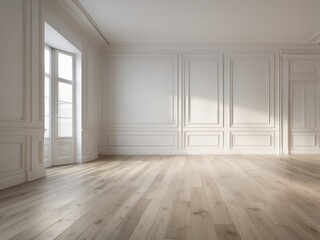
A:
(169, 197)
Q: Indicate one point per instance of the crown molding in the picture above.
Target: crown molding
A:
(90, 19)
(206, 48)
(68, 10)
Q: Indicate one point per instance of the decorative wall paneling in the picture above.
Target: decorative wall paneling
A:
(132, 80)
(140, 104)
(21, 89)
(13, 159)
(229, 103)
(21, 121)
(203, 98)
(253, 99)
(302, 76)
(14, 71)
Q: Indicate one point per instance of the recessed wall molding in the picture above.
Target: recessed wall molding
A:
(207, 95)
(251, 140)
(141, 91)
(251, 91)
(203, 91)
(203, 140)
(139, 141)
(13, 160)
(13, 107)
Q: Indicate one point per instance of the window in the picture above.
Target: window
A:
(47, 92)
(59, 93)
(64, 80)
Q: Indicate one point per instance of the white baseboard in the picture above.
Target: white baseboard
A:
(186, 152)
(139, 152)
(36, 174)
(88, 157)
(13, 180)
(306, 152)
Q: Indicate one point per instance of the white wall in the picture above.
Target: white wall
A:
(140, 103)
(90, 106)
(21, 87)
(190, 103)
(206, 101)
(21, 108)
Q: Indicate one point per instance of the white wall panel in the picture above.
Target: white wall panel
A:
(13, 79)
(252, 91)
(13, 159)
(304, 68)
(311, 103)
(297, 105)
(203, 91)
(36, 165)
(143, 142)
(37, 152)
(207, 140)
(303, 104)
(140, 140)
(304, 140)
(12, 150)
(203, 141)
(141, 91)
(91, 90)
(252, 140)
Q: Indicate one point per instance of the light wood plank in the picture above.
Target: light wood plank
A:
(169, 197)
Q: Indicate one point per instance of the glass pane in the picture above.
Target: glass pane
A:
(47, 126)
(47, 106)
(65, 92)
(47, 61)
(65, 66)
(64, 127)
(65, 109)
(47, 87)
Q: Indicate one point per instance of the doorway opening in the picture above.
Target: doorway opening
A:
(61, 95)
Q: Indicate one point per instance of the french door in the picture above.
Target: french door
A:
(59, 143)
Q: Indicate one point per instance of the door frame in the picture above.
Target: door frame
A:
(286, 57)
(55, 140)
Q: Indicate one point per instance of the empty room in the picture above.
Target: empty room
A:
(160, 119)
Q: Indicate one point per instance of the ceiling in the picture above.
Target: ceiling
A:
(206, 21)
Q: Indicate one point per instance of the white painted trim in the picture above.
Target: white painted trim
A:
(288, 77)
(36, 174)
(271, 82)
(185, 73)
(12, 180)
(210, 49)
(89, 157)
